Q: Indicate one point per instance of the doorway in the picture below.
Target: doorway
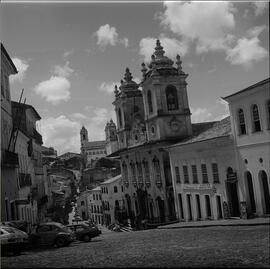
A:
(161, 208)
(265, 192)
(232, 192)
(250, 192)
(208, 207)
(219, 207)
(181, 206)
(199, 213)
(190, 217)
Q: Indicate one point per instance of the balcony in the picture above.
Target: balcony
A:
(10, 159)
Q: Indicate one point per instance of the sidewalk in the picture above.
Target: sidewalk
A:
(225, 222)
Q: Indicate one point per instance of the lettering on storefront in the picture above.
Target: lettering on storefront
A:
(206, 188)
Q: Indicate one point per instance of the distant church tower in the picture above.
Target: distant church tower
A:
(111, 137)
(167, 112)
(84, 138)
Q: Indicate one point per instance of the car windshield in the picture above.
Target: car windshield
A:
(65, 228)
(9, 229)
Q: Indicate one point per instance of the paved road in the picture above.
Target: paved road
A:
(195, 247)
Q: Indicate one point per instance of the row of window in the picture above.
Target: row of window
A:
(96, 152)
(96, 209)
(194, 172)
(255, 116)
(96, 196)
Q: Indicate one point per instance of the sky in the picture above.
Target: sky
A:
(70, 55)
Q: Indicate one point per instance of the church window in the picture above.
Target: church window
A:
(194, 174)
(172, 99)
(185, 172)
(120, 117)
(215, 172)
(242, 124)
(157, 168)
(149, 99)
(177, 174)
(115, 189)
(256, 119)
(204, 173)
(153, 130)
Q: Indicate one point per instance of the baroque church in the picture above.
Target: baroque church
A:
(148, 120)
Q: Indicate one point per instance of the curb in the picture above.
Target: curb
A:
(215, 225)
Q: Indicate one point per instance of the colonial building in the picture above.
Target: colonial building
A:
(223, 171)
(112, 194)
(148, 120)
(250, 121)
(95, 208)
(91, 150)
(9, 159)
(201, 165)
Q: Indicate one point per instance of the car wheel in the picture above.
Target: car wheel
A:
(60, 242)
(86, 238)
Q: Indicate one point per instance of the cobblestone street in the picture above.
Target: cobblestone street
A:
(191, 247)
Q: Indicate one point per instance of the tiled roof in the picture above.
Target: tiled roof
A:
(95, 144)
(111, 180)
(249, 88)
(208, 130)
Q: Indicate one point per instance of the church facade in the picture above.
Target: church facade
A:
(148, 120)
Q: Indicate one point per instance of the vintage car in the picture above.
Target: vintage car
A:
(85, 231)
(13, 240)
(51, 233)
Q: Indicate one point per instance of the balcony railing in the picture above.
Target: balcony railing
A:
(9, 159)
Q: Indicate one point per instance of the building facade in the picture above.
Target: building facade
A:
(148, 120)
(112, 194)
(250, 121)
(9, 159)
(91, 150)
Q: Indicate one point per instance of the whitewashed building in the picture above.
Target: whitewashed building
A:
(250, 120)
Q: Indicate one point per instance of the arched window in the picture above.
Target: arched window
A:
(149, 99)
(120, 117)
(172, 99)
(242, 124)
(256, 118)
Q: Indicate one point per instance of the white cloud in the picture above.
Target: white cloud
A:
(22, 66)
(200, 115)
(207, 23)
(68, 53)
(256, 31)
(108, 87)
(61, 133)
(63, 71)
(107, 35)
(171, 46)
(246, 52)
(260, 7)
(78, 115)
(97, 123)
(54, 90)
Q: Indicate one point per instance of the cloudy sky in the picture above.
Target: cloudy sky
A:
(70, 56)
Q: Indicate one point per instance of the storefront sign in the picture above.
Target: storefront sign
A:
(200, 187)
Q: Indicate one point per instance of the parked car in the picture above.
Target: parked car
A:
(18, 224)
(51, 233)
(13, 240)
(84, 231)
